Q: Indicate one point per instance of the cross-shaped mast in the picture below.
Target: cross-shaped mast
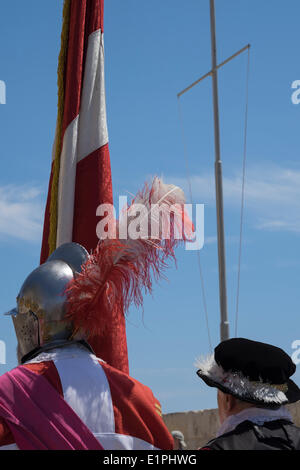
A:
(224, 326)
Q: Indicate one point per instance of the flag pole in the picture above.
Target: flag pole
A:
(224, 326)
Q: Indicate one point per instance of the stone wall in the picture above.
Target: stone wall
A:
(198, 427)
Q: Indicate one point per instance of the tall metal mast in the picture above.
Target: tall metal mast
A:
(224, 326)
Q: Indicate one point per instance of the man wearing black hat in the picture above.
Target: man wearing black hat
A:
(253, 382)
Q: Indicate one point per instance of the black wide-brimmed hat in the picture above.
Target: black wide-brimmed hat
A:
(251, 371)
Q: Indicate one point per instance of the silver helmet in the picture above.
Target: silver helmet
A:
(39, 318)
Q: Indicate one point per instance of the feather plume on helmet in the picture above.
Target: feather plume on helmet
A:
(120, 270)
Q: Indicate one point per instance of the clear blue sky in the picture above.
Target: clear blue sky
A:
(153, 50)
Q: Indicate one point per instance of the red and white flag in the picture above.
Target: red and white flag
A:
(80, 174)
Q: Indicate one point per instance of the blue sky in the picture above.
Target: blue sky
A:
(154, 50)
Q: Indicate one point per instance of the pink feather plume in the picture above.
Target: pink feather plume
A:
(120, 271)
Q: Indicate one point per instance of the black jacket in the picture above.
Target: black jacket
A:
(273, 435)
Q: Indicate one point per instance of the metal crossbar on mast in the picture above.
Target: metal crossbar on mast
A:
(224, 324)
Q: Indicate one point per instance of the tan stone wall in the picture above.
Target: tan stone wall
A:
(198, 427)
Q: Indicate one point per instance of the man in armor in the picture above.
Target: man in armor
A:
(62, 396)
(254, 385)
